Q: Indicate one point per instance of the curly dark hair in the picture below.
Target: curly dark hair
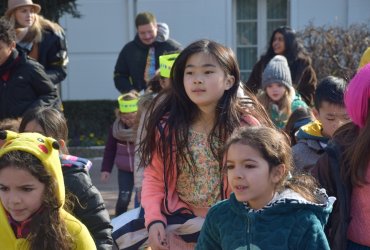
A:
(7, 32)
(47, 229)
(274, 147)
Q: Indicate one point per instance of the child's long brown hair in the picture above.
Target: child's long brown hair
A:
(52, 122)
(274, 146)
(47, 229)
(174, 112)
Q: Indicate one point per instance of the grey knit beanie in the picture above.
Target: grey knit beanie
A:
(277, 71)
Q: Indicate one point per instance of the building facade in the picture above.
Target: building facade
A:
(96, 39)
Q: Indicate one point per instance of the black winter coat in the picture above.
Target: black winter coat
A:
(24, 85)
(131, 62)
(52, 54)
(328, 172)
(90, 208)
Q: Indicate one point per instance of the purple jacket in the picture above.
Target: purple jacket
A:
(118, 152)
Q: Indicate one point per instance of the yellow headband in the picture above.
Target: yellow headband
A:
(127, 106)
(165, 64)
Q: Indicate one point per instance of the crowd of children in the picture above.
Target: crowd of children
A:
(212, 165)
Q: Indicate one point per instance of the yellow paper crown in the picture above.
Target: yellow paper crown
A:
(165, 64)
(127, 106)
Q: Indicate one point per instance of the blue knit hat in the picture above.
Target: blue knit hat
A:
(277, 71)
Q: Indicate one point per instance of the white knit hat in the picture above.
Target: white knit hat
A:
(277, 71)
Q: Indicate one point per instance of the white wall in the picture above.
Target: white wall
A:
(94, 41)
(359, 11)
(190, 20)
(328, 12)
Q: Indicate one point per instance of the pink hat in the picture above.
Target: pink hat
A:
(357, 96)
(13, 4)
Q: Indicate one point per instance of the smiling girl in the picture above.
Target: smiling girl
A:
(269, 208)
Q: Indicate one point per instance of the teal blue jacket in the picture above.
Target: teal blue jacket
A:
(290, 222)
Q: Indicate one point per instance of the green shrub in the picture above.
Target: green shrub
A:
(89, 121)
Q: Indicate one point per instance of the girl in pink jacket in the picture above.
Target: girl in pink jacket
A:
(186, 130)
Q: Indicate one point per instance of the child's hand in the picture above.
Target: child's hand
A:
(157, 237)
(104, 176)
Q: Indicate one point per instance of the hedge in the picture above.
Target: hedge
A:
(336, 50)
(89, 121)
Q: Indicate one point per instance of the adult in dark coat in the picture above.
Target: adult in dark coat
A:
(284, 42)
(42, 39)
(130, 69)
(23, 82)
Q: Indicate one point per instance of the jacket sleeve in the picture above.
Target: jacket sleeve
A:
(44, 88)
(152, 194)
(322, 173)
(299, 153)
(255, 78)
(208, 235)
(90, 208)
(56, 58)
(81, 236)
(122, 73)
(109, 153)
(314, 238)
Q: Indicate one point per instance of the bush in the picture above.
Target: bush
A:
(336, 50)
(89, 121)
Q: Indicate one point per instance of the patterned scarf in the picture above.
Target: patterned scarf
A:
(150, 65)
(122, 133)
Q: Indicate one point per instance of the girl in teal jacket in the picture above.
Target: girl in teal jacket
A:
(269, 208)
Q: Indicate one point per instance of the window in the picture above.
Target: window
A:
(255, 22)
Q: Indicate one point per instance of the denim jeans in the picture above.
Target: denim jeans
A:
(125, 186)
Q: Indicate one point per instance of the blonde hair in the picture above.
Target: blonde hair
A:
(34, 33)
(284, 103)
